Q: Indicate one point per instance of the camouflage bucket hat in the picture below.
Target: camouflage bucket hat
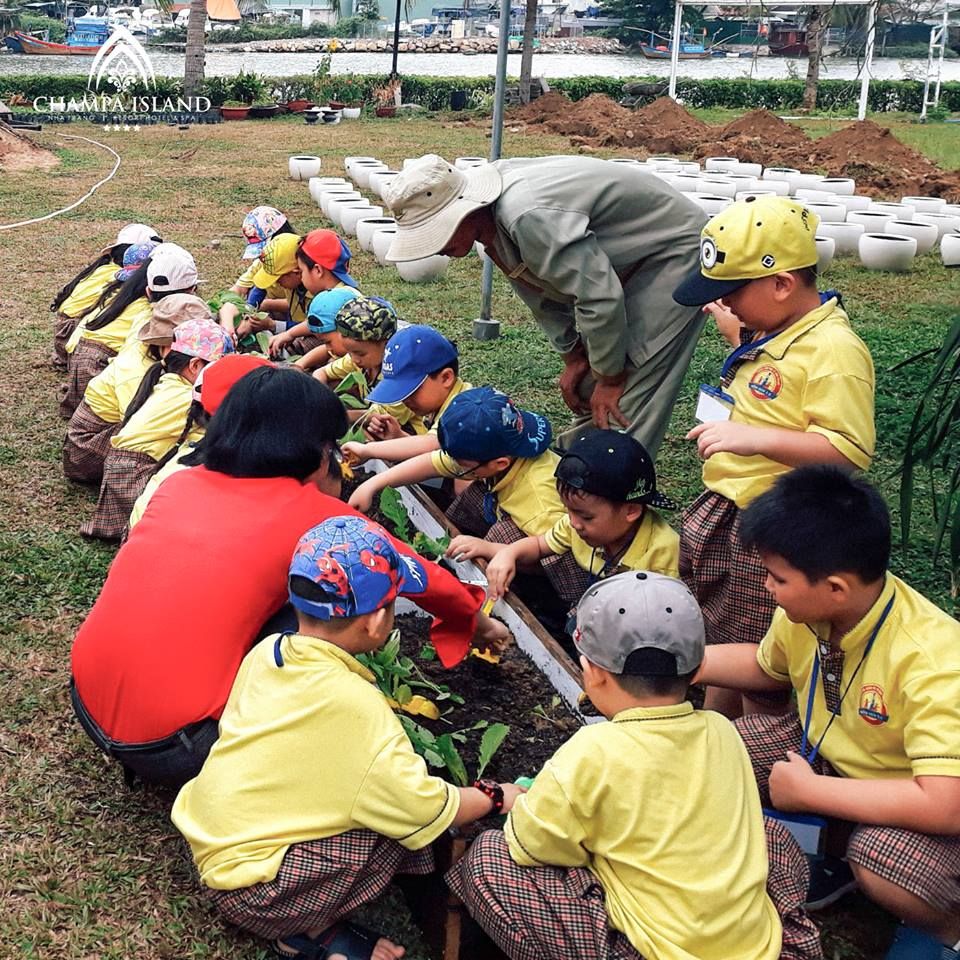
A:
(367, 318)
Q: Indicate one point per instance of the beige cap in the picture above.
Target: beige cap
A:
(430, 199)
(168, 314)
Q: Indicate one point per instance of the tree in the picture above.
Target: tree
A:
(193, 63)
(640, 15)
(367, 10)
(817, 21)
(526, 57)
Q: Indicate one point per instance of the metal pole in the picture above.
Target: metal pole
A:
(486, 328)
(675, 48)
(868, 61)
(396, 40)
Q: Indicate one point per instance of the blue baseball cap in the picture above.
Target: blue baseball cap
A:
(412, 354)
(482, 424)
(134, 257)
(352, 569)
(322, 315)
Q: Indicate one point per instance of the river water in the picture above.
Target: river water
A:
(220, 63)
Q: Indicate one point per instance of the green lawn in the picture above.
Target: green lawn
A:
(87, 869)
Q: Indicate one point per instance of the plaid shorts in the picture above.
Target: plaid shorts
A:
(63, 328)
(86, 445)
(927, 866)
(89, 359)
(303, 345)
(568, 579)
(125, 474)
(727, 580)
(320, 881)
(554, 913)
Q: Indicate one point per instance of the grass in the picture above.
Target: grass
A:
(88, 869)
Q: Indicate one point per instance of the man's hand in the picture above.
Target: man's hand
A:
(490, 635)
(575, 368)
(790, 781)
(605, 403)
(381, 426)
(463, 547)
(725, 436)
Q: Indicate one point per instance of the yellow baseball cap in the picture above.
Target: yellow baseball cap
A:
(754, 238)
(279, 256)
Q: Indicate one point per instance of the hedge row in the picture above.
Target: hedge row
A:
(434, 92)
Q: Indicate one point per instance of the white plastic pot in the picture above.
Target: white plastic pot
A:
(349, 161)
(924, 233)
(710, 204)
(805, 193)
(665, 166)
(779, 173)
(874, 221)
(852, 203)
(749, 169)
(381, 244)
(719, 164)
(744, 181)
(351, 113)
(303, 168)
(951, 210)
(423, 271)
(826, 248)
(337, 193)
(689, 166)
(926, 204)
(662, 158)
(360, 172)
(846, 236)
(640, 163)
(830, 212)
(887, 251)
(902, 211)
(686, 182)
(380, 179)
(842, 186)
(780, 187)
(808, 181)
(351, 216)
(464, 163)
(317, 185)
(756, 192)
(718, 187)
(339, 207)
(950, 249)
(368, 226)
(944, 222)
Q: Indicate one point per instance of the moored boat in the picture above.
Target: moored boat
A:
(83, 41)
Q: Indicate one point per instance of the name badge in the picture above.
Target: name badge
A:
(713, 404)
(810, 832)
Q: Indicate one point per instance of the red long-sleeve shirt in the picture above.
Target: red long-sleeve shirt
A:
(189, 591)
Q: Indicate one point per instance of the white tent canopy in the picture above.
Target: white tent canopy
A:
(868, 58)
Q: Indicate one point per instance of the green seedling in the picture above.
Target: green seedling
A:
(348, 388)
(391, 506)
(442, 751)
(428, 547)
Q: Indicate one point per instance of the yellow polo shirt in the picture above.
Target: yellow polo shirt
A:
(341, 367)
(171, 467)
(246, 278)
(307, 750)
(157, 425)
(422, 425)
(526, 493)
(815, 376)
(87, 292)
(661, 806)
(109, 393)
(113, 335)
(901, 717)
(655, 547)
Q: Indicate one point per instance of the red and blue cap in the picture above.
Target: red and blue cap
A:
(482, 424)
(412, 354)
(134, 257)
(348, 567)
(330, 251)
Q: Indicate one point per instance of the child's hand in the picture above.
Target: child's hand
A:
(500, 573)
(790, 782)
(243, 328)
(258, 324)
(725, 436)
(280, 342)
(490, 635)
(728, 323)
(362, 498)
(463, 547)
(381, 426)
(510, 793)
(354, 453)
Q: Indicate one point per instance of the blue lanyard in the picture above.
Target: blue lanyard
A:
(815, 676)
(734, 358)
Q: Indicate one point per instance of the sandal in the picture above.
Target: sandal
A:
(344, 938)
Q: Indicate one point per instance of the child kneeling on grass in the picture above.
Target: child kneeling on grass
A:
(641, 837)
(606, 481)
(876, 669)
(313, 798)
(421, 370)
(322, 324)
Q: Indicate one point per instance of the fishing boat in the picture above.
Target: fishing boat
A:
(84, 40)
(690, 49)
(788, 40)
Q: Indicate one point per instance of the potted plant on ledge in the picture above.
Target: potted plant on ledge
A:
(235, 110)
(385, 98)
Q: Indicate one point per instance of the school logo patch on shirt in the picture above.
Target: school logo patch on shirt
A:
(766, 383)
(872, 706)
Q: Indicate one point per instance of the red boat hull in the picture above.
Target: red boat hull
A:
(45, 47)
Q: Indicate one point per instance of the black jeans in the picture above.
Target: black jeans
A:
(169, 762)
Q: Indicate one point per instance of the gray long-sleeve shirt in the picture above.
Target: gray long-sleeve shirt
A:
(569, 225)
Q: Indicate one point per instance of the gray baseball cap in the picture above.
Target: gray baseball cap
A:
(641, 623)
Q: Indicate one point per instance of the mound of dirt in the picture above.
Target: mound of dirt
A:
(763, 124)
(19, 152)
(552, 104)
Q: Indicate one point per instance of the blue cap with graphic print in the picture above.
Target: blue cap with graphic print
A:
(412, 354)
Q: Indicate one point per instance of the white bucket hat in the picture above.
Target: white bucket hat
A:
(171, 268)
(131, 234)
(430, 199)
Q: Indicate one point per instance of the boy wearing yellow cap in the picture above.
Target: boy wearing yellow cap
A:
(798, 391)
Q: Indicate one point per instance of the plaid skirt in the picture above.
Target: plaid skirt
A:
(927, 866)
(320, 881)
(555, 913)
(727, 580)
(89, 359)
(568, 579)
(125, 474)
(63, 328)
(303, 345)
(86, 445)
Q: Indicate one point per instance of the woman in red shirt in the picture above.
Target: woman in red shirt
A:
(190, 591)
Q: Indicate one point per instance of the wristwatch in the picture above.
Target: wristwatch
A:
(493, 790)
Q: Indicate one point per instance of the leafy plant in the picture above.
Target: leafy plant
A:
(428, 547)
(933, 441)
(347, 389)
(490, 743)
(442, 751)
(391, 506)
(247, 87)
